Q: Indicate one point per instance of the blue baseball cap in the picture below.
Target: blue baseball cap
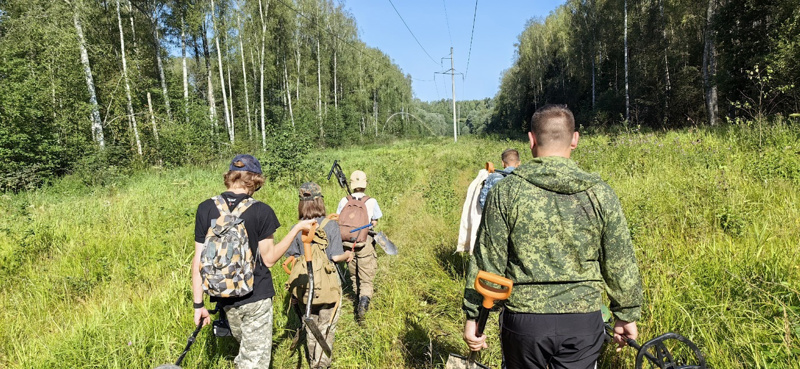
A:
(246, 163)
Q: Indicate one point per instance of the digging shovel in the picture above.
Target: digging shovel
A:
(385, 243)
(312, 326)
(490, 295)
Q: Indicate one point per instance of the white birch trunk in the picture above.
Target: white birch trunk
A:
(627, 94)
(254, 67)
(319, 93)
(161, 69)
(288, 94)
(230, 93)
(261, 72)
(228, 123)
(212, 101)
(185, 71)
(335, 88)
(297, 54)
(131, 116)
(152, 116)
(133, 28)
(244, 76)
(97, 126)
(668, 83)
(709, 66)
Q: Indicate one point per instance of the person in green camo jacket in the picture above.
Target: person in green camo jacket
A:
(560, 234)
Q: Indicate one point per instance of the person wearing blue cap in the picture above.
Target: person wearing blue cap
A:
(249, 314)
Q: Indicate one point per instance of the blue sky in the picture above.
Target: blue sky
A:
(497, 25)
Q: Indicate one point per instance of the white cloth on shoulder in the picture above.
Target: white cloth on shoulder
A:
(471, 214)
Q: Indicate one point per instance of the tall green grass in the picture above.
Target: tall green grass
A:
(99, 276)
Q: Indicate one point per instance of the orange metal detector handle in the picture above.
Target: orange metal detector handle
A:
(289, 260)
(307, 237)
(489, 167)
(491, 294)
(333, 216)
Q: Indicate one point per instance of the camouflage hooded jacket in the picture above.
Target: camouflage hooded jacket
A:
(560, 234)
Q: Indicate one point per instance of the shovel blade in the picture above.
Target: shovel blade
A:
(312, 326)
(459, 362)
(386, 244)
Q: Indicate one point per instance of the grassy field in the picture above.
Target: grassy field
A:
(98, 277)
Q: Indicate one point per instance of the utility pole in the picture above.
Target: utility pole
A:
(452, 73)
(453, 81)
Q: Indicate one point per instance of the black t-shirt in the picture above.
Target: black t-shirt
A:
(260, 222)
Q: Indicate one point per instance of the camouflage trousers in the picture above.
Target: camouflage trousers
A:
(251, 325)
(363, 267)
(326, 317)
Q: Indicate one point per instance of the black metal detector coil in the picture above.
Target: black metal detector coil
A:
(336, 170)
(659, 355)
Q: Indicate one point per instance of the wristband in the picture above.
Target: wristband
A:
(198, 305)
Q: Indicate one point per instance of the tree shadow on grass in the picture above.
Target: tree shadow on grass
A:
(452, 262)
(422, 346)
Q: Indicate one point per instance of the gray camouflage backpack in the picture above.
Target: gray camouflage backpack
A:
(227, 263)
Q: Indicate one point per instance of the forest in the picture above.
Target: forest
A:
(91, 85)
(109, 86)
(656, 63)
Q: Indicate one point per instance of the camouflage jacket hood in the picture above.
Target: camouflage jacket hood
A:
(557, 174)
(560, 235)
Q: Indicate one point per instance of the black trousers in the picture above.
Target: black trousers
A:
(551, 341)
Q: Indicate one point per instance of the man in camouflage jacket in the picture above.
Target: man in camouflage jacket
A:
(560, 234)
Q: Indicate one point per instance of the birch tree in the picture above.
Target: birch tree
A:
(228, 123)
(709, 65)
(244, 73)
(97, 126)
(131, 115)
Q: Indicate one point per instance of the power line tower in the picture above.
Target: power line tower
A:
(452, 73)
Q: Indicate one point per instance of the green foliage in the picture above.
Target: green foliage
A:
(715, 237)
(340, 88)
(287, 154)
(575, 56)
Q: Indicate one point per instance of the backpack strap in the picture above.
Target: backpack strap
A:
(221, 204)
(320, 236)
(363, 198)
(242, 206)
(323, 224)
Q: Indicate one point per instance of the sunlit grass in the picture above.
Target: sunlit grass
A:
(99, 277)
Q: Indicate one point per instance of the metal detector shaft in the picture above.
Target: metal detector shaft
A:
(631, 343)
(189, 343)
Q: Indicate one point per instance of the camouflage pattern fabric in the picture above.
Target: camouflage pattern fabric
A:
(326, 317)
(363, 267)
(251, 325)
(227, 263)
(560, 234)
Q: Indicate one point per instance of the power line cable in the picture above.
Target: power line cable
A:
(447, 19)
(474, 15)
(412, 33)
